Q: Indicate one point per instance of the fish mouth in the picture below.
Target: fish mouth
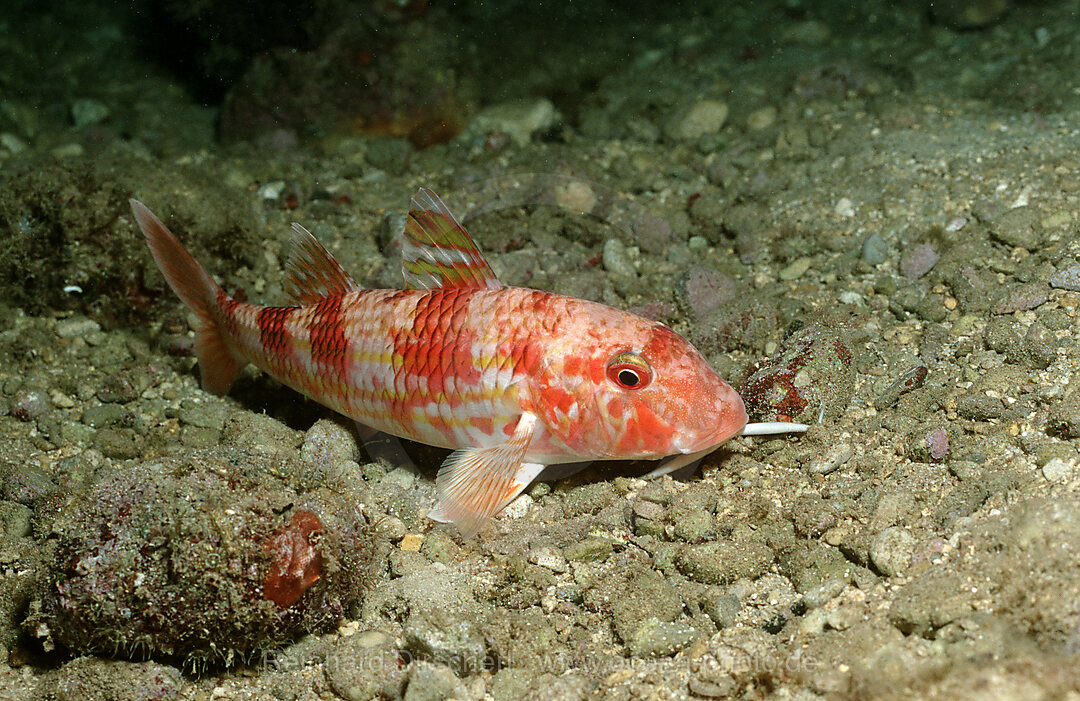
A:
(713, 440)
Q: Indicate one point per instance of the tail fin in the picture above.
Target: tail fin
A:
(219, 365)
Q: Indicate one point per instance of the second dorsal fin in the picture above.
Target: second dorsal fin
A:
(438, 252)
(311, 272)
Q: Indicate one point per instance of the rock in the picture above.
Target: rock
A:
(918, 261)
(722, 607)
(433, 682)
(812, 377)
(875, 249)
(722, 562)
(968, 14)
(656, 638)
(1018, 227)
(1021, 297)
(795, 269)
(891, 550)
(329, 443)
(617, 259)
(94, 678)
(1058, 470)
(761, 119)
(30, 404)
(1067, 278)
(699, 119)
(86, 112)
(519, 120)
(365, 665)
(1064, 419)
(588, 550)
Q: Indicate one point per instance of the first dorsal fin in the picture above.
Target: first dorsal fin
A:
(311, 272)
(438, 252)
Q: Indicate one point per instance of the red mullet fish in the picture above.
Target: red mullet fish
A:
(512, 379)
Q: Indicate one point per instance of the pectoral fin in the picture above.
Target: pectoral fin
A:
(475, 484)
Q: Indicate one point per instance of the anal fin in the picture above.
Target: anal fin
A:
(475, 484)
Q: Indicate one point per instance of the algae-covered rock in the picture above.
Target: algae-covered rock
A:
(201, 557)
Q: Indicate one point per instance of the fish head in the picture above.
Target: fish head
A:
(635, 390)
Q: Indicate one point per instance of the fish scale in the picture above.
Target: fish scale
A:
(513, 379)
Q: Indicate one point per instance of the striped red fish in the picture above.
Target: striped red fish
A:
(512, 379)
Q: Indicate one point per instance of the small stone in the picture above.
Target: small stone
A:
(1018, 227)
(831, 459)
(918, 261)
(617, 260)
(519, 120)
(875, 249)
(891, 550)
(656, 638)
(30, 404)
(1067, 278)
(844, 207)
(575, 196)
(723, 562)
(433, 682)
(796, 269)
(329, 443)
(77, 327)
(722, 607)
(441, 637)
(411, 542)
(1022, 297)
(548, 558)
(588, 550)
(761, 119)
(702, 118)
(86, 112)
(968, 14)
(1058, 470)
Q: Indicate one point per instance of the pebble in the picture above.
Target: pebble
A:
(918, 261)
(575, 196)
(875, 249)
(329, 443)
(588, 550)
(1028, 295)
(1058, 470)
(656, 638)
(518, 119)
(433, 682)
(844, 207)
(722, 562)
(365, 666)
(1067, 278)
(86, 112)
(548, 558)
(77, 327)
(761, 119)
(30, 404)
(831, 459)
(891, 550)
(617, 259)
(104, 415)
(796, 269)
(12, 143)
(1018, 227)
(702, 118)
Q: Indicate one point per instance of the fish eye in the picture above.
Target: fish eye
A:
(629, 371)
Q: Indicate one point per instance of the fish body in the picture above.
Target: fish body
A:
(512, 379)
